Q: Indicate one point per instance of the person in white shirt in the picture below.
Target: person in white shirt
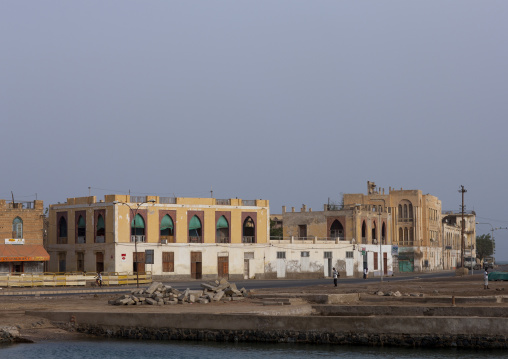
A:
(335, 276)
(365, 273)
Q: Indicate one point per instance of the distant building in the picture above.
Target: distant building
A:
(21, 233)
(407, 224)
(170, 237)
(452, 228)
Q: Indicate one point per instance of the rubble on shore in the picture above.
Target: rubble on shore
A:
(160, 294)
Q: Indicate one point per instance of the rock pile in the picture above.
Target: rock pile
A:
(160, 294)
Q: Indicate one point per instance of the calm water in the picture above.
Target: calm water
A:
(99, 349)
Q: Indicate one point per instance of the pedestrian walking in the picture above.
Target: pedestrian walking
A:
(486, 279)
(365, 273)
(335, 276)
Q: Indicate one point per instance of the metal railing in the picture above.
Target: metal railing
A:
(248, 202)
(195, 240)
(222, 240)
(138, 199)
(61, 240)
(138, 238)
(248, 239)
(167, 200)
(100, 239)
(223, 202)
(81, 240)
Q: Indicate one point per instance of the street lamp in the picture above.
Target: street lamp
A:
(135, 212)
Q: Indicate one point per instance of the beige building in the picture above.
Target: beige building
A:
(21, 233)
(452, 229)
(171, 237)
(408, 222)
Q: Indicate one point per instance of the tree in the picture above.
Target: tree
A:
(275, 230)
(485, 246)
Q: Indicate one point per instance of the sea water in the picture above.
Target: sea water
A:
(102, 349)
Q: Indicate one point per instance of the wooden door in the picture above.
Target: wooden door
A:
(196, 265)
(139, 262)
(223, 267)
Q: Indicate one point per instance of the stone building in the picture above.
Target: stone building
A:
(21, 232)
(176, 238)
(415, 225)
(406, 224)
(356, 235)
(452, 228)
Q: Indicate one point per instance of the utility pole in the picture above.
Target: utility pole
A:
(462, 227)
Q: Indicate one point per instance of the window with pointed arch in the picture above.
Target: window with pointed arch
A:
(167, 229)
(364, 233)
(81, 237)
(17, 228)
(195, 230)
(100, 230)
(138, 228)
(222, 231)
(62, 230)
(249, 231)
(336, 230)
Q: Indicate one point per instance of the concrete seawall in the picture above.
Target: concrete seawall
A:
(435, 331)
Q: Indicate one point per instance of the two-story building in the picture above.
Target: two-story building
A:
(170, 237)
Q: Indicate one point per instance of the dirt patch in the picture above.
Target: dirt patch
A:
(12, 309)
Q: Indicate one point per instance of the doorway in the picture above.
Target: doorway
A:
(138, 263)
(223, 266)
(196, 265)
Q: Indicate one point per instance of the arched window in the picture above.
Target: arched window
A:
(383, 233)
(406, 235)
(249, 231)
(81, 230)
(401, 236)
(222, 231)
(405, 211)
(17, 228)
(195, 230)
(410, 210)
(364, 233)
(336, 230)
(411, 237)
(100, 230)
(138, 227)
(62, 227)
(400, 211)
(166, 229)
(374, 231)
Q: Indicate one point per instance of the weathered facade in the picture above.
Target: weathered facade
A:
(172, 237)
(355, 236)
(21, 233)
(408, 222)
(452, 229)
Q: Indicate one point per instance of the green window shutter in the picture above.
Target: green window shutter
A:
(100, 222)
(195, 223)
(166, 222)
(140, 223)
(222, 223)
(81, 222)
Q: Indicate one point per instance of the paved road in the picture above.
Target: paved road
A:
(196, 284)
(285, 283)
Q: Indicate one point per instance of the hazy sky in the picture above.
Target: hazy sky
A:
(290, 101)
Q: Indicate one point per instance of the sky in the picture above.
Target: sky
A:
(286, 100)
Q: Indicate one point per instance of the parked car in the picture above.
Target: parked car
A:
(470, 262)
(488, 262)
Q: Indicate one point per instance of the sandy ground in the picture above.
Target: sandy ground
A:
(12, 308)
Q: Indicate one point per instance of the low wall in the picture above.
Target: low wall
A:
(382, 331)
